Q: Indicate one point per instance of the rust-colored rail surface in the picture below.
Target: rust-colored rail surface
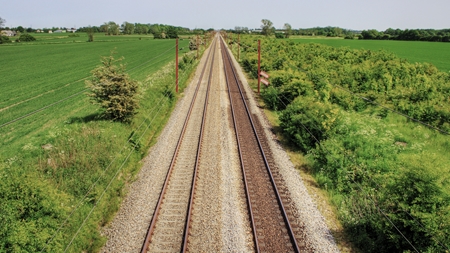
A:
(169, 226)
(270, 222)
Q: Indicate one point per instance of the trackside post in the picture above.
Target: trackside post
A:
(176, 65)
(259, 64)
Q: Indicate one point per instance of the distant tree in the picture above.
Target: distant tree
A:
(113, 90)
(90, 34)
(26, 38)
(30, 30)
(113, 28)
(128, 28)
(20, 29)
(4, 39)
(104, 28)
(267, 27)
(2, 22)
(287, 30)
(172, 32)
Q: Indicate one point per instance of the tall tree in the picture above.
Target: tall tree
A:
(128, 28)
(2, 22)
(287, 30)
(267, 27)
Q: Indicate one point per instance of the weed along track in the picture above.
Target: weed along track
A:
(271, 227)
(169, 228)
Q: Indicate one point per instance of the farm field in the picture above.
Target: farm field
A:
(63, 169)
(414, 51)
(38, 74)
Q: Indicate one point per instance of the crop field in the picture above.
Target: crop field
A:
(414, 51)
(63, 168)
(39, 74)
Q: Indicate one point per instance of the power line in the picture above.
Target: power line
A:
(101, 196)
(165, 95)
(354, 162)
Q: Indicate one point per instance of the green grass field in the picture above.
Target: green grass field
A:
(37, 74)
(90, 159)
(437, 53)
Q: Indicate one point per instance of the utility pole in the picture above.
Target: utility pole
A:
(239, 46)
(176, 66)
(259, 64)
(197, 46)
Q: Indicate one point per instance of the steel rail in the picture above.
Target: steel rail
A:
(252, 221)
(285, 217)
(191, 199)
(172, 163)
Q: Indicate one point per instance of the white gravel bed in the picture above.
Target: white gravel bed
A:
(318, 235)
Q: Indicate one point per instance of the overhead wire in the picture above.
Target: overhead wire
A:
(356, 164)
(359, 186)
(101, 196)
(165, 95)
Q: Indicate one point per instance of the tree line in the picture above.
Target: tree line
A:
(442, 35)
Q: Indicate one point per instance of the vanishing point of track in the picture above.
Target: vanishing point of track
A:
(168, 230)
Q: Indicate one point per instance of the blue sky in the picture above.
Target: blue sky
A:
(350, 14)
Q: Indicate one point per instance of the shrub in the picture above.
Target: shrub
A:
(4, 39)
(307, 121)
(113, 90)
(26, 38)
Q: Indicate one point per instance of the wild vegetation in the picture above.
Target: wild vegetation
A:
(63, 168)
(408, 34)
(413, 51)
(386, 174)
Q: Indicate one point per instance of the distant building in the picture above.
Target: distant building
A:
(8, 33)
(71, 30)
(60, 31)
(50, 31)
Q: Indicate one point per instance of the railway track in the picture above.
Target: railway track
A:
(272, 229)
(168, 230)
(170, 224)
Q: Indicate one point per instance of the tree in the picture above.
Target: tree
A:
(2, 22)
(128, 28)
(267, 27)
(20, 29)
(26, 37)
(287, 30)
(113, 89)
(90, 34)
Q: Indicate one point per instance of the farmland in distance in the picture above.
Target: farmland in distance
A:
(414, 51)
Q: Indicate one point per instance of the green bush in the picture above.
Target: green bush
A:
(4, 40)
(113, 90)
(307, 121)
(26, 38)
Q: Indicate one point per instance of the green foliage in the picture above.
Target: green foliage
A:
(4, 39)
(279, 35)
(113, 90)
(380, 169)
(40, 188)
(26, 38)
(306, 121)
